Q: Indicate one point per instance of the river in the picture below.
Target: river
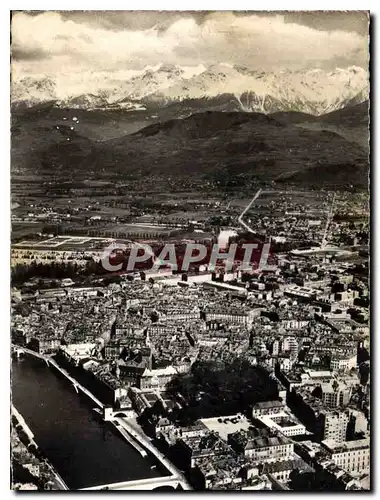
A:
(84, 450)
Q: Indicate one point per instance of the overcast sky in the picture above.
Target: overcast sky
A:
(86, 41)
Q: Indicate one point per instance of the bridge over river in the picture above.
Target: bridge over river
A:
(49, 361)
(125, 427)
(143, 484)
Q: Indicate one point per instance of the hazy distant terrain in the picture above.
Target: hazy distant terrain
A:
(224, 147)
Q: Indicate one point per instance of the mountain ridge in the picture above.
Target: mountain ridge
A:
(226, 149)
(312, 91)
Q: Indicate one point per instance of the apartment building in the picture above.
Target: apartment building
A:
(335, 425)
(284, 423)
(343, 362)
(335, 395)
(352, 456)
(261, 445)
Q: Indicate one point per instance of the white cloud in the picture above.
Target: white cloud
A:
(48, 43)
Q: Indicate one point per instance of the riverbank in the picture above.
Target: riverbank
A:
(130, 440)
(141, 437)
(27, 455)
(89, 394)
(136, 440)
(76, 440)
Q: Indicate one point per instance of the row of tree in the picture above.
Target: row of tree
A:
(221, 388)
(21, 273)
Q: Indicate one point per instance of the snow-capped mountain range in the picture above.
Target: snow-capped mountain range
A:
(315, 91)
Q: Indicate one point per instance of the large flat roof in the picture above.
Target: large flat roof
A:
(336, 447)
(225, 428)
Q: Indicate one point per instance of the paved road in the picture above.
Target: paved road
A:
(240, 218)
(144, 440)
(139, 484)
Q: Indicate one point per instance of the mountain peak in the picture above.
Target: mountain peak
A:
(315, 91)
(171, 69)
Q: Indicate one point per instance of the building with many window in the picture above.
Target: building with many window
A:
(335, 425)
(261, 445)
(283, 423)
(157, 379)
(335, 395)
(268, 408)
(352, 456)
(343, 362)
